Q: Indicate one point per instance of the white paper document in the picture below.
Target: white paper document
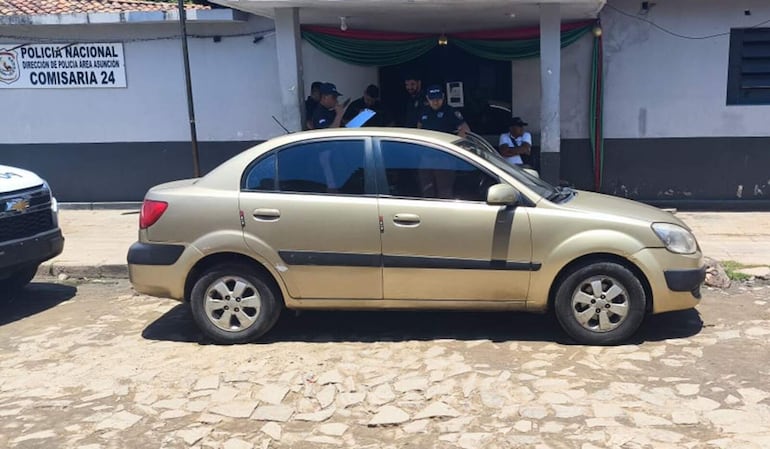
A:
(359, 120)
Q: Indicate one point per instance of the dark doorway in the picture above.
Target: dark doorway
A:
(484, 81)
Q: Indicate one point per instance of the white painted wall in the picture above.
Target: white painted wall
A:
(350, 79)
(575, 85)
(656, 85)
(659, 85)
(232, 80)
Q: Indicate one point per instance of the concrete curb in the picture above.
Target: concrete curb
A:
(84, 271)
(116, 205)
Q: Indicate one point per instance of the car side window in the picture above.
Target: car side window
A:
(416, 171)
(332, 166)
(262, 175)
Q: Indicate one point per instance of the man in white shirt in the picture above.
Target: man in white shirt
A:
(515, 142)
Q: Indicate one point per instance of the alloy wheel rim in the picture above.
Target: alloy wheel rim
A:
(232, 303)
(600, 304)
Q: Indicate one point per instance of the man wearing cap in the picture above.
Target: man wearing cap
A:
(328, 113)
(415, 103)
(371, 101)
(439, 116)
(516, 142)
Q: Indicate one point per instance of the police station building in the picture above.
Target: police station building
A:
(663, 102)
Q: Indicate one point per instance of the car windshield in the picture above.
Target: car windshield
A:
(484, 149)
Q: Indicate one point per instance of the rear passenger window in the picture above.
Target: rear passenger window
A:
(262, 175)
(335, 167)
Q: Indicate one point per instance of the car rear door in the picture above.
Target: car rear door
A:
(314, 204)
(440, 240)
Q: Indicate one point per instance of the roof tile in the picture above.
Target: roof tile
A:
(46, 7)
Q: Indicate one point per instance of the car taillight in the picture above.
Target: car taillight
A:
(151, 212)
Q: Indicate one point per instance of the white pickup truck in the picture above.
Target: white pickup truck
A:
(29, 227)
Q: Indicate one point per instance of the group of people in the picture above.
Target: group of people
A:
(323, 111)
(426, 109)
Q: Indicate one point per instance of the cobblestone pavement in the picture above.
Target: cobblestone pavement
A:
(95, 366)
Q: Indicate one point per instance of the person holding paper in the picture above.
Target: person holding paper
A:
(370, 100)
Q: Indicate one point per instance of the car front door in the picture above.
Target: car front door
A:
(440, 239)
(312, 204)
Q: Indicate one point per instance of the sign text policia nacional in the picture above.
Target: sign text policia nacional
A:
(40, 66)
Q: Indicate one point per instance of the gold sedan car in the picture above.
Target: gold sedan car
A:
(405, 219)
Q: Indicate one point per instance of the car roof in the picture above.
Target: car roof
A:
(229, 172)
(420, 134)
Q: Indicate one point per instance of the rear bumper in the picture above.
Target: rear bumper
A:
(31, 250)
(160, 270)
(154, 254)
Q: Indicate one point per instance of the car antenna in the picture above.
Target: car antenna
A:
(281, 125)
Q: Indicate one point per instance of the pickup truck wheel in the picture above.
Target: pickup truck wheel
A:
(233, 304)
(600, 304)
(18, 279)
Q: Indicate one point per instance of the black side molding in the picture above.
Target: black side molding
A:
(377, 260)
(154, 254)
(457, 264)
(330, 259)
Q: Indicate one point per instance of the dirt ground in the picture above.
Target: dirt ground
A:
(97, 366)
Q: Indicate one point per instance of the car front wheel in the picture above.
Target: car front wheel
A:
(600, 303)
(18, 279)
(233, 304)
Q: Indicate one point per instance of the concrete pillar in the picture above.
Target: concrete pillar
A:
(288, 43)
(550, 90)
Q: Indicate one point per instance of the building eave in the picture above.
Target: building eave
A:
(136, 17)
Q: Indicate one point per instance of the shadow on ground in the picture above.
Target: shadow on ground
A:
(33, 299)
(337, 326)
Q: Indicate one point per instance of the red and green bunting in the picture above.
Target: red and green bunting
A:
(379, 48)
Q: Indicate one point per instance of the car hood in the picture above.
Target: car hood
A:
(597, 203)
(12, 179)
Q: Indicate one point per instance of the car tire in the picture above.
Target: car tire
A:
(18, 279)
(601, 303)
(234, 303)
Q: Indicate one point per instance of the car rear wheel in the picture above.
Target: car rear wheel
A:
(600, 303)
(18, 279)
(234, 304)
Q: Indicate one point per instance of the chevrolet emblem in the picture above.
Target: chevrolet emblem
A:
(18, 205)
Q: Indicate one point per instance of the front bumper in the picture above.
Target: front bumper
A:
(674, 279)
(31, 250)
(685, 280)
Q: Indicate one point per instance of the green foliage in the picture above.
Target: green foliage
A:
(732, 269)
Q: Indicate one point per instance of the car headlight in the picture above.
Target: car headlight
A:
(54, 203)
(676, 238)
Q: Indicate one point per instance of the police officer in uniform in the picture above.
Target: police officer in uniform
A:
(328, 113)
(311, 102)
(439, 116)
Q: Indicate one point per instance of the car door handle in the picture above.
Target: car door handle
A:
(267, 214)
(407, 219)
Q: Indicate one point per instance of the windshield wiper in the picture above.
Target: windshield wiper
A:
(562, 194)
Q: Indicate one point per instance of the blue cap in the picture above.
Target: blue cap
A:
(434, 92)
(329, 89)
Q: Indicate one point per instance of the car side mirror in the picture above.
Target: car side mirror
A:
(532, 172)
(502, 195)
